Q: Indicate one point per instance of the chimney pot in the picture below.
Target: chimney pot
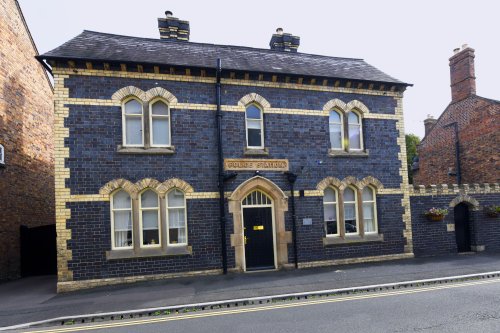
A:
(464, 46)
(279, 31)
(168, 13)
(455, 51)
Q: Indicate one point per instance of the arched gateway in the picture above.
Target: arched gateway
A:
(259, 239)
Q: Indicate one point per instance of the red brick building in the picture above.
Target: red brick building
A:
(463, 144)
(26, 135)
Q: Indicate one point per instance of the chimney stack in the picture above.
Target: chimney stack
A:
(281, 41)
(462, 74)
(429, 123)
(172, 28)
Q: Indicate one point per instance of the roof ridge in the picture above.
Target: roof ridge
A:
(223, 45)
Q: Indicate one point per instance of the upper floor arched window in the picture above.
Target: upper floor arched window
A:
(121, 220)
(254, 122)
(133, 123)
(159, 123)
(336, 125)
(355, 131)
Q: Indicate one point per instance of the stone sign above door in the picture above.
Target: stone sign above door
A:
(255, 164)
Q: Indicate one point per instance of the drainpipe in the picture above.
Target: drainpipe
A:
(457, 151)
(291, 180)
(221, 176)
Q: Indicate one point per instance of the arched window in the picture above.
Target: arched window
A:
(176, 217)
(133, 123)
(159, 124)
(121, 220)
(350, 211)
(336, 130)
(331, 214)
(355, 131)
(149, 219)
(369, 210)
(254, 126)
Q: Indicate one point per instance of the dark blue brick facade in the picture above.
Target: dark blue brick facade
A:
(96, 131)
(431, 238)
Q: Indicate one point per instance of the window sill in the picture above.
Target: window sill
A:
(256, 152)
(149, 151)
(352, 239)
(352, 153)
(146, 253)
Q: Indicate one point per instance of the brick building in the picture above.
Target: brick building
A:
(169, 163)
(462, 146)
(26, 138)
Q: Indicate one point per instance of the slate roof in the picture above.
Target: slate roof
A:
(90, 45)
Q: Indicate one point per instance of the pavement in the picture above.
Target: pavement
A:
(33, 299)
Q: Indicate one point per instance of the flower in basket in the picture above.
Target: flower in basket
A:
(436, 214)
(492, 211)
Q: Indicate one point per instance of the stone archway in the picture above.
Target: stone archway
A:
(283, 237)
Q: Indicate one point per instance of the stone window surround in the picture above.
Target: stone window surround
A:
(147, 98)
(343, 109)
(134, 190)
(358, 185)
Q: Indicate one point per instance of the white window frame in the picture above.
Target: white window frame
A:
(2, 155)
(361, 143)
(341, 115)
(113, 210)
(261, 126)
(151, 116)
(167, 205)
(356, 207)
(374, 202)
(124, 122)
(336, 212)
(141, 209)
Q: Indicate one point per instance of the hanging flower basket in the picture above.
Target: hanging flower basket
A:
(436, 214)
(492, 211)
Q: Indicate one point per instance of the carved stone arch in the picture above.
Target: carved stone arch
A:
(357, 105)
(116, 184)
(353, 181)
(328, 181)
(147, 183)
(280, 206)
(335, 103)
(171, 183)
(374, 182)
(129, 91)
(161, 92)
(254, 98)
(465, 198)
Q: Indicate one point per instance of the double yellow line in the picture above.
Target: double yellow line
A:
(265, 307)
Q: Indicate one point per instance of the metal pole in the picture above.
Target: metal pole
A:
(220, 183)
(291, 179)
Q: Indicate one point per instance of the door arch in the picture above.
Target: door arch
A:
(281, 236)
(462, 227)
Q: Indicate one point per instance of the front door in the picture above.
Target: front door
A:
(258, 232)
(462, 231)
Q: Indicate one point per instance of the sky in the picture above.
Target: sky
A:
(409, 40)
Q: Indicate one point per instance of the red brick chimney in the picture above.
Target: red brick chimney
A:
(463, 78)
(429, 123)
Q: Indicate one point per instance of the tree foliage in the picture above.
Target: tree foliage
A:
(411, 151)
